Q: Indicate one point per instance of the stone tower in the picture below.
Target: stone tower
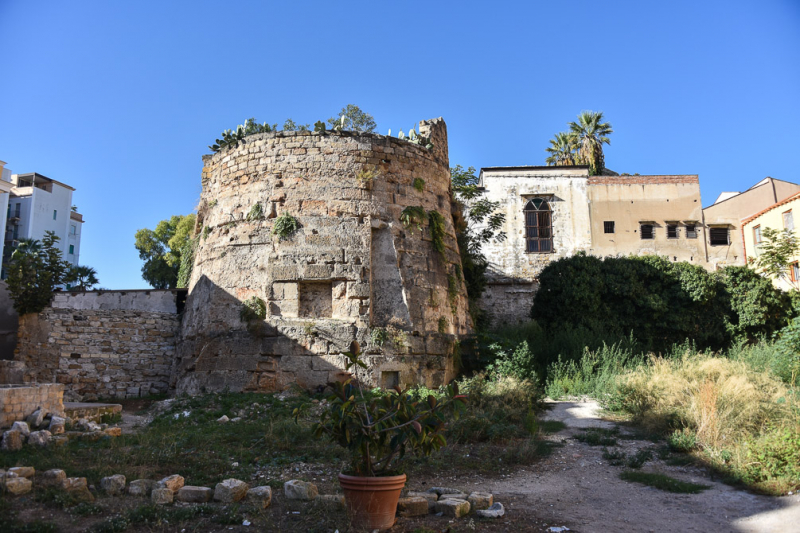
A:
(352, 277)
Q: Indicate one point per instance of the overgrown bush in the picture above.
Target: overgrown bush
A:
(285, 226)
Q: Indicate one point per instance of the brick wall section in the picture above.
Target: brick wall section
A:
(641, 180)
(17, 402)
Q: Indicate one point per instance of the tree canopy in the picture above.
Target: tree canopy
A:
(776, 252)
(354, 120)
(81, 278)
(34, 271)
(160, 249)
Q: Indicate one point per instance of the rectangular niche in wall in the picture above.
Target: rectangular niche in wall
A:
(316, 299)
(390, 379)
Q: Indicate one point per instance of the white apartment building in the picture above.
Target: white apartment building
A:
(5, 192)
(37, 205)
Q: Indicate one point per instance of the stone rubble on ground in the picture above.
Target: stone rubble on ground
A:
(16, 485)
(336, 500)
(173, 483)
(230, 491)
(299, 490)
(52, 478)
(57, 425)
(113, 485)
(480, 500)
(453, 496)
(260, 496)
(39, 438)
(22, 427)
(161, 496)
(12, 441)
(193, 494)
(412, 506)
(452, 508)
(78, 489)
(36, 418)
(430, 497)
(495, 511)
(141, 487)
(23, 471)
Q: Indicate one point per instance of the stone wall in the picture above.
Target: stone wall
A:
(102, 344)
(18, 401)
(351, 275)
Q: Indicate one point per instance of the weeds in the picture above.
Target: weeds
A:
(598, 437)
(662, 482)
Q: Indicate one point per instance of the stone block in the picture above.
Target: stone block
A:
(334, 500)
(78, 489)
(17, 485)
(230, 490)
(141, 487)
(193, 494)
(480, 500)
(113, 485)
(495, 511)
(430, 497)
(12, 441)
(36, 418)
(296, 489)
(261, 497)
(452, 508)
(454, 496)
(173, 483)
(113, 432)
(412, 506)
(22, 427)
(57, 425)
(23, 471)
(52, 478)
(161, 496)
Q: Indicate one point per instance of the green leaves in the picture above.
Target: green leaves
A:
(34, 271)
(232, 138)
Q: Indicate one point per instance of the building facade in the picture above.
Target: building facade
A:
(37, 205)
(779, 216)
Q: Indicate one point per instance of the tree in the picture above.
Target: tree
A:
(34, 271)
(481, 222)
(160, 249)
(777, 251)
(354, 120)
(563, 149)
(591, 134)
(290, 125)
(82, 278)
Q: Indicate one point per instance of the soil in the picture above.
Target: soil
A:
(575, 487)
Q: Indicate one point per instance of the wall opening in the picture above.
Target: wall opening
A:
(315, 299)
(390, 379)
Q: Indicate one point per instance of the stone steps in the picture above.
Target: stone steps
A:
(91, 410)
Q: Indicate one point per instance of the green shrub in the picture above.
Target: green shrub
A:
(419, 184)
(285, 225)
(256, 212)
(682, 440)
(254, 308)
(594, 374)
(438, 232)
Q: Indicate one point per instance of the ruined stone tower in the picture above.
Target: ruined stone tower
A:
(352, 277)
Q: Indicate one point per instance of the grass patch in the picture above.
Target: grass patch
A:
(548, 427)
(662, 482)
(598, 437)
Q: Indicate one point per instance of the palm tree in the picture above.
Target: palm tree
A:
(592, 133)
(83, 277)
(562, 150)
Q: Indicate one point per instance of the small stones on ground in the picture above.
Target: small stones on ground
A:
(36, 418)
(173, 483)
(495, 511)
(12, 441)
(223, 419)
(57, 425)
(51, 478)
(193, 494)
(87, 425)
(454, 496)
(296, 489)
(17, 485)
(113, 485)
(22, 427)
(260, 496)
(161, 496)
(230, 490)
(443, 490)
(23, 471)
(412, 506)
(78, 489)
(141, 487)
(452, 508)
(39, 438)
(430, 497)
(480, 500)
(113, 432)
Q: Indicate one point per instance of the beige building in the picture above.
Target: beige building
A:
(724, 218)
(779, 216)
(647, 215)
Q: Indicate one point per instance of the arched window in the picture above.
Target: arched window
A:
(538, 226)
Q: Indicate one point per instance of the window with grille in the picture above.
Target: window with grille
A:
(608, 226)
(718, 236)
(538, 226)
(672, 231)
(795, 270)
(691, 231)
(647, 231)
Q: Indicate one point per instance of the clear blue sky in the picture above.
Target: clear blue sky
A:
(121, 99)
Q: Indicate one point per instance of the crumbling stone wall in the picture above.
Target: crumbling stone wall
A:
(18, 401)
(109, 344)
(353, 277)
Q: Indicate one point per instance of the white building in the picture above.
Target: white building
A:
(5, 191)
(37, 205)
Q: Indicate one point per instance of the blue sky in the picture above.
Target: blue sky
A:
(121, 99)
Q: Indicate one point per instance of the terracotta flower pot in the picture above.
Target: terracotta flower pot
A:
(372, 501)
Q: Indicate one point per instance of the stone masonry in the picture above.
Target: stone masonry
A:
(102, 346)
(18, 401)
(353, 277)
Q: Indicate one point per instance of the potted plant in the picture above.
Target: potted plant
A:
(380, 429)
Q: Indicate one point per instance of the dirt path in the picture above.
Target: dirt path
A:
(577, 488)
